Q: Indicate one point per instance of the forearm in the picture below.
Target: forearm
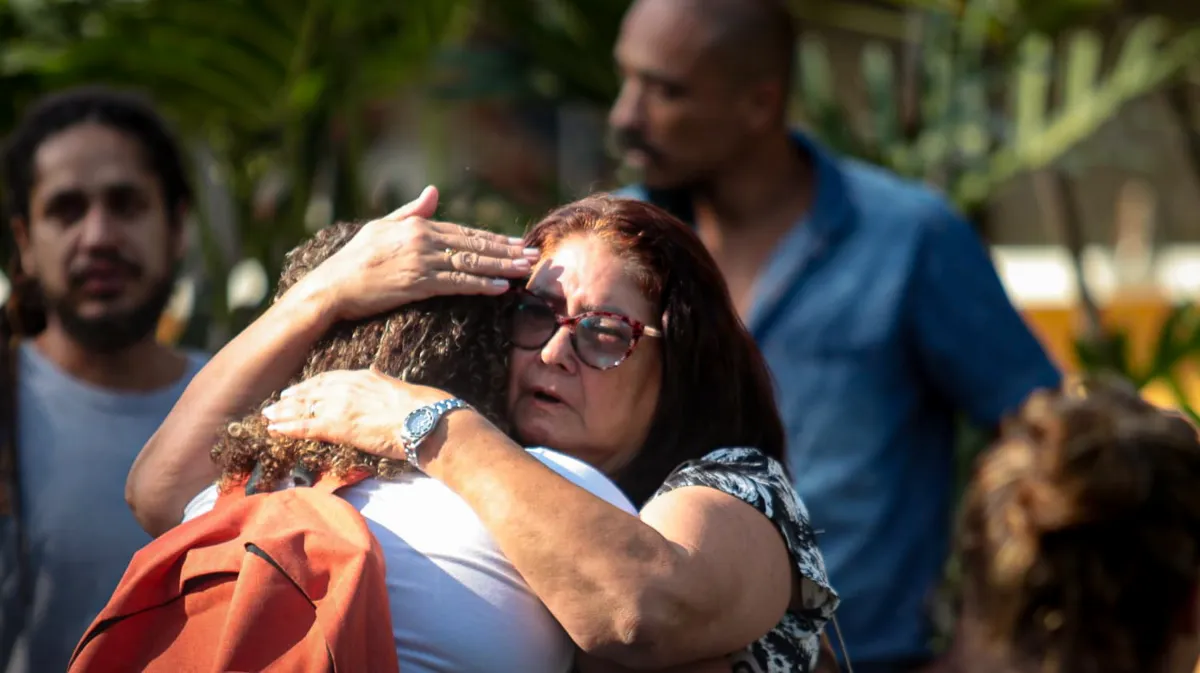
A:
(613, 582)
(175, 464)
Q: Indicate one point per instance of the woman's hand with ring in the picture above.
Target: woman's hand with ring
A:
(362, 408)
(406, 257)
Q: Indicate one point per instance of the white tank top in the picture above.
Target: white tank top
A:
(457, 603)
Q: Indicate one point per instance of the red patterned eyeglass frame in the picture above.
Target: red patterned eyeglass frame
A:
(571, 323)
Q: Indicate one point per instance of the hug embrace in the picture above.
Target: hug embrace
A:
(491, 455)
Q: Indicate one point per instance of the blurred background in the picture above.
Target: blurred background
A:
(1067, 130)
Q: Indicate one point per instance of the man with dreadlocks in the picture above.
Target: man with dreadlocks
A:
(457, 603)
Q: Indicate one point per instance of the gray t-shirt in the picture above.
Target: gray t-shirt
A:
(76, 443)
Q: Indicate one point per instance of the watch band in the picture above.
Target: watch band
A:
(436, 411)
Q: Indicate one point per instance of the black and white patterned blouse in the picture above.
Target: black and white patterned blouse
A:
(759, 481)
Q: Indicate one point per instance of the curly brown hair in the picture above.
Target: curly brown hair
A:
(459, 344)
(1080, 536)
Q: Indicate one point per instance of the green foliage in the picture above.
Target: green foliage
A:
(1178, 342)
(973, 55)
(566, 45)
(278, 89)
(552, 50)
(959, 142)
(1062, 15)
(269, 87)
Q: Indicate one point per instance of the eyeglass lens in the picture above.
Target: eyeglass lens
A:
(601, 341)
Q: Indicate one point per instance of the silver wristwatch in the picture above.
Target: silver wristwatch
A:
(421, 423)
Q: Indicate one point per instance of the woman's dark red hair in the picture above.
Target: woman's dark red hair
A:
(716, 389)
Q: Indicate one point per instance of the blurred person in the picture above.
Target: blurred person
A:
(628, 355)
(876, 305)
(1080, 540)
(96, 197)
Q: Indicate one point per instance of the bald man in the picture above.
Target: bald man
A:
(875, 303)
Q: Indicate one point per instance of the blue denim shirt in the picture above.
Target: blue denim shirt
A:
(882, 317)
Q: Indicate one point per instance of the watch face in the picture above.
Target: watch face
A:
(420, 423)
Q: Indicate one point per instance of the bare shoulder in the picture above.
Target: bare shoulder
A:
(745, 487)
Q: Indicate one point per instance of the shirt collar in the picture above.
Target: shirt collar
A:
(831, 206)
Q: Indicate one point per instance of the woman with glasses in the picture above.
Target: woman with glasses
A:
(437, 565)
(627, 354)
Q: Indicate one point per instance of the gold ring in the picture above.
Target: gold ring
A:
(449, 253)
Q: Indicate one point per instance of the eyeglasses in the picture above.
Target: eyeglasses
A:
(602, 340)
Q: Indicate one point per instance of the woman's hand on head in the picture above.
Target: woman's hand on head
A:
(362, 408)
(406, 257)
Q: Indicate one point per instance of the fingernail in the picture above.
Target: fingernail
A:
(533, 253)
(278, 427)
(500, 282)
(515, 240)
(522, 264)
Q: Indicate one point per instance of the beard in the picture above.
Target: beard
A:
(620, 141)
(656, 173)
(113, 331)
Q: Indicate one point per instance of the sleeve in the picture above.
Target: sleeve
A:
(584, 476)
(631, 192)
(973, 345)
(759, 481)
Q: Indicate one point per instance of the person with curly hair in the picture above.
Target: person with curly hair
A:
(628, 354)
(459, 343)
(444, 572)
(1080, 540)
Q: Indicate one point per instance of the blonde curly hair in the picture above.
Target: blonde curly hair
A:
(1080, 535)
(459, 344)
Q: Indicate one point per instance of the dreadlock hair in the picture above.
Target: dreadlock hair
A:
(1080, 536)
(458, 343)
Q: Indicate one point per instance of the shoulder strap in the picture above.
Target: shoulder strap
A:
(842, 645)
